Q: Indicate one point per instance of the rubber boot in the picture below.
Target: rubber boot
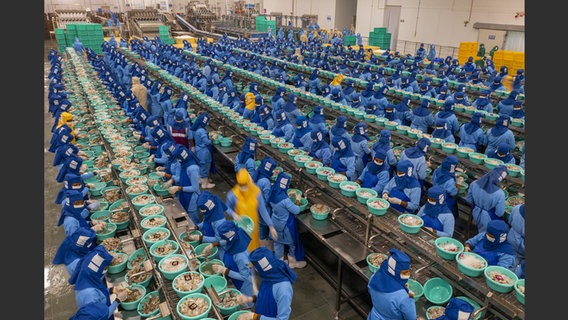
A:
(205, 183)
(296, 264)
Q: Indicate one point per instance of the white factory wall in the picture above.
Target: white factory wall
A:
(429, 21)
(345, 10)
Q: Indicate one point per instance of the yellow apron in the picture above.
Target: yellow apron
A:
(250, 101)
(247, 204)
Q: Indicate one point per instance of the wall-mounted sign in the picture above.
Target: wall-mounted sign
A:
(491, 37)
(328, 18)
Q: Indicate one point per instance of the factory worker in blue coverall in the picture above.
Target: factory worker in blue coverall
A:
(421, 117)
(166, 104)
(89, 281)
(186, 181)
(236, 258)
(283, 127)
(314, 82)
(445, 176)
(492, 245)
(337, 96)
(291, 109)
(343, 158)
(56, 137)
(74, 247)
(403, 190)
(262, 115)
(302, 135)
(65, 149)
(75, 181)
(246, 199)
(441, 131)
(213, 210)
(376, 174)
(263, 179)
(203, 149)
(78, 47)
(317, 120)
(471, 134)
(503, 153)
(283, 212)
(72, 164)
(274, 298)
(339, 129)
(505, 106)
(278, 100)
(389, 291)
(320, 149)
(360, 147)
(483, 102)
(449, 116)
(75, 212)
(516, 235)
(457, 309)
(486, 198)
(437, 216)
(518, 112)
(384, 143)
(499, 134)
(417, 156)
(245, 158)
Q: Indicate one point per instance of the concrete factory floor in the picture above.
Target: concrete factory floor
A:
(313, 297)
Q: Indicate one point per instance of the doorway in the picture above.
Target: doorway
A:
(392, 20)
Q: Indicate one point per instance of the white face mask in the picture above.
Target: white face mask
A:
(490, 238)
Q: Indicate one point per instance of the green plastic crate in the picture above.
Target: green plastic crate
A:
(380, 30)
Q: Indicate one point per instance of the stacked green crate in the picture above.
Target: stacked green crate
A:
(60, 37)
(91, 36)
(70, 33)
(261, 23)
(349, 40)
(379, 37)
(272, 25)
(165, 35)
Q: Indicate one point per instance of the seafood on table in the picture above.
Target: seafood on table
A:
(500, 277)
(154, 222)
(436, 312)
(319, 208)
(157, 236)
(192, 307)
(173, 264)
(151, 304)
(228, 299)
(188, 282)
(164, 249)
(133, 294)
(136, 274)
(118, 258)
(449, 246)
(471, 261)
(112, 244)
(377, 258)
(150, 210)
(411, 221)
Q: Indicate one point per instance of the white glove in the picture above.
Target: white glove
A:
(168, 183)
(273, 233)
(89, 185)
(151, 157)
(217, 268)
(237, 217)
(459, 180)
(121, 293)
(97, 227)
(173, 190)
(207, 250)
(394, 200)
(160, 168)
(385, 196)
(94, 205)
(83, 168)
(246, 316)
(136, 135)
(146, 145)
(244, 299)
(193, 237)
(160, 174)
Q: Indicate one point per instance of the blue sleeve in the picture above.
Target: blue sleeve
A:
(203, 137)
(468, 196)
(388, 186)
(193, 173)
(291, 206)
(421, 168)
(70, 225)
(391, 159)
(231, 203)
(450, 187)
(473, 241)
(326, 156)
(263, 212)
(87, 175)
(349, 163)
(507, 261)
(112, 308)
(455, 125)
(408, 308)
(414, 195)
(448, 226)
(381, 183)
(307, 142)
(282, 293)
(362, 174)
(242, 262)
(249, 165)
(175, 169)
(288, 133)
